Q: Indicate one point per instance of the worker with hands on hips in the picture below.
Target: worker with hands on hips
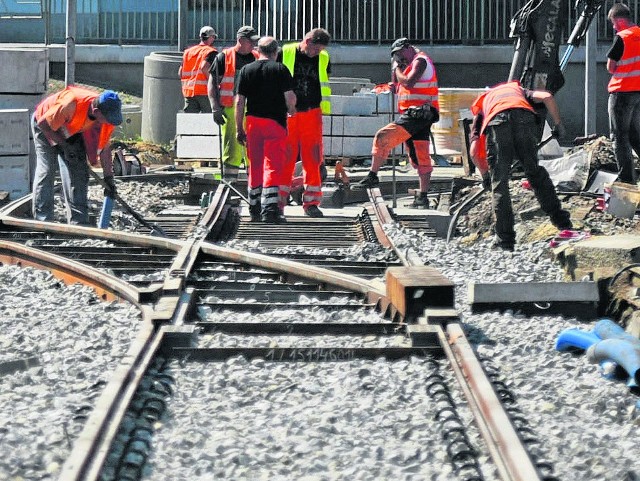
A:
(69, 128)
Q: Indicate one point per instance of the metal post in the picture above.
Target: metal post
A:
(70, 43)
(182, 25)
(590, 88)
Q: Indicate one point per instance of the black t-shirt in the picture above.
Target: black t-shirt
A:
(617, 49)
(306, 80)
(264, 83)
(218, 62)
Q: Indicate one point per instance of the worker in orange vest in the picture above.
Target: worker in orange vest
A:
(221, 89)
(194, 72)
(623, 63)
(69, 128)
(414, 77)
(506, 117)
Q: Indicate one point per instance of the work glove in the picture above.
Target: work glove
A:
(110, 188)
(558, 131)
(218, 117)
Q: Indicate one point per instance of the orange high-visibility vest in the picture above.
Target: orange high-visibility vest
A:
(80, 121)
(626, 78)
(425, 90)
(228, 79)
(194, 82)
(502, 97)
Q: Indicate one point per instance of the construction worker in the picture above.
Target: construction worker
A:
(265, 88)
(194, 72)
(623, 63)
(222, 88)
(308, 62)
(505, 115)
(70, 127)
(414, 77)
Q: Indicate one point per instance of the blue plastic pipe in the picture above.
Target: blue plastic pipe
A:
(105, 214)
(607, 329)
(621, 351)
(570, 339)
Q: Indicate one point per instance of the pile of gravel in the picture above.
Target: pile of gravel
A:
(76, 341)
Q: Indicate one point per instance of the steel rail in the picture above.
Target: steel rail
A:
(383, 216)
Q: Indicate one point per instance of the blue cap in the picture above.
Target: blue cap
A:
(111, 107)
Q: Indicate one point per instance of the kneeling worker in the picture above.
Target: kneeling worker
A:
(505, 115)
(414, 76)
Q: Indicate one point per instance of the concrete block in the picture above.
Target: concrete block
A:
(195, 124)
(197, 147)
(412, 289)
(384, 104)
(14, 132)
(600, 253)
(363, 126)
(354, 105)
(326, 125)
(14, 175)
(579, 299)
(24, 70)
(349, 87)
(337, 125)
(441, 317)
(356, 146)
(21, 101)
(131, 127)
(332, 146)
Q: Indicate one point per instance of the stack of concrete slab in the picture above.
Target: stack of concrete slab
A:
(347, 132)
(23, 83)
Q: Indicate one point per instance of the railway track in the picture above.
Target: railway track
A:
(204, 304)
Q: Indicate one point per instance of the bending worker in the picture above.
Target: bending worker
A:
(265, 87)
(194, 72)
(505, 115)
(309, 65)
(70, 127)
(414, 76)
(222, 87)
(623, 63)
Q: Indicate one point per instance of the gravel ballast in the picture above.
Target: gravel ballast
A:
(76, 342)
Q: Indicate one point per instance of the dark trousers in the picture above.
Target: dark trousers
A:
(624, 119)
(513, 134)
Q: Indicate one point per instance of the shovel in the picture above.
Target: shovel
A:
(155, 230)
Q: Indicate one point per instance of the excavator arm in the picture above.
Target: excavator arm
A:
(537, 26)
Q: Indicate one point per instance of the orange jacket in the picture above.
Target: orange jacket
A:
(502, 97)
(194, 82)
(67, 112)
(228, 79)
(425, 90)
(626, 78)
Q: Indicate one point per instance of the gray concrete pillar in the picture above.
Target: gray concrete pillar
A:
(161, 96)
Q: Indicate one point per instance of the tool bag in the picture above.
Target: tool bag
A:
(425, 112)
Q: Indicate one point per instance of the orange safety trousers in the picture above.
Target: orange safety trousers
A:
(305, 139)
(267, 153)
(392, 135)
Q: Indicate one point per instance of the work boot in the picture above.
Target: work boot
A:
(371, 180)
(273, 216)
(313, 211)
(498, 244)
(421, 201)
(254, 212)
